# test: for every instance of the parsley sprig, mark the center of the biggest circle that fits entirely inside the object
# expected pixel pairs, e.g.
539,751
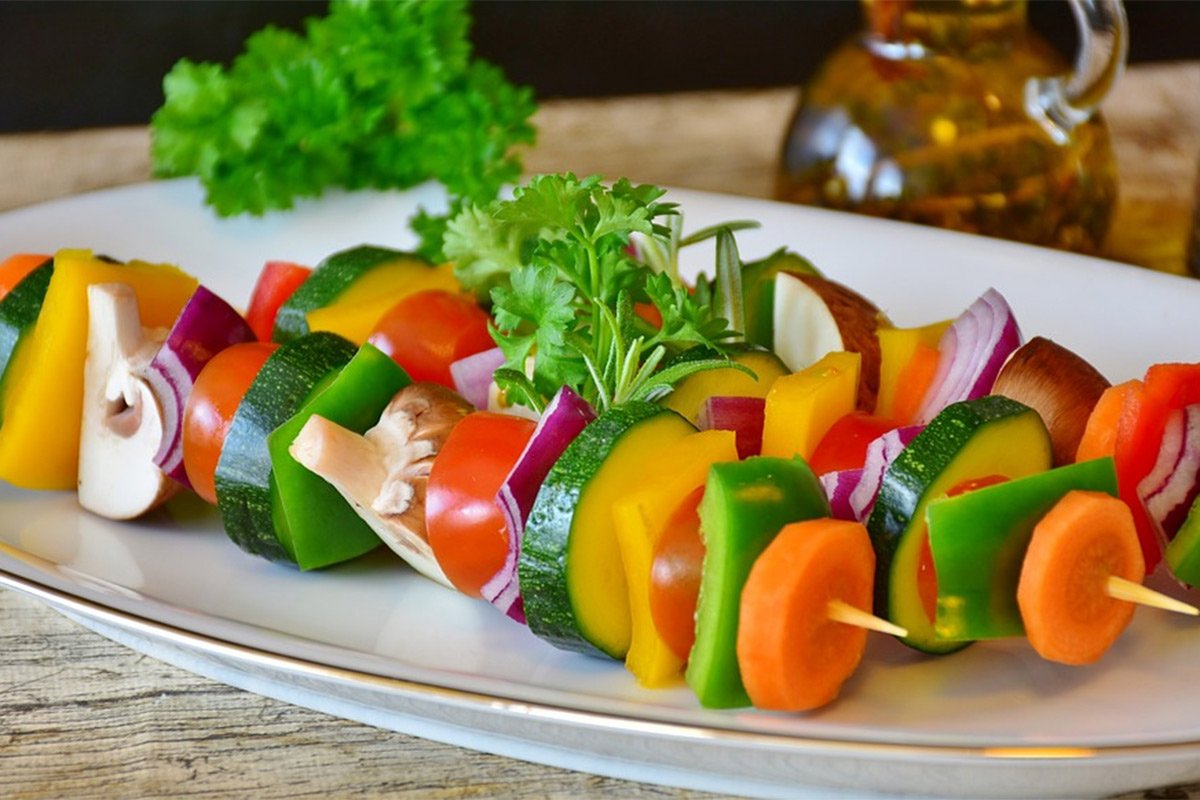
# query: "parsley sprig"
381,94
558,265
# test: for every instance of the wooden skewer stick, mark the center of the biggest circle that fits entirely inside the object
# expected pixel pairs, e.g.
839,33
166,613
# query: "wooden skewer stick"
1121,589
841,611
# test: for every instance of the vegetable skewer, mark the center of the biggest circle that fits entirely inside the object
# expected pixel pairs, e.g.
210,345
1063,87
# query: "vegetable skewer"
1119,588
794,651
843,612
1066,589
787,642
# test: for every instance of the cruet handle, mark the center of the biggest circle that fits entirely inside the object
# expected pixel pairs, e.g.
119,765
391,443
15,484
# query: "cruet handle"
1059,103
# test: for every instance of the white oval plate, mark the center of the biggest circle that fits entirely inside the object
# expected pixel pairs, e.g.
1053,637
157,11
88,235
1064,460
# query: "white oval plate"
372,641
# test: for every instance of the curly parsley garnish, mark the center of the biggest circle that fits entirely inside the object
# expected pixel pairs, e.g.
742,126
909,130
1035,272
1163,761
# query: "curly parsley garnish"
558,265
374,95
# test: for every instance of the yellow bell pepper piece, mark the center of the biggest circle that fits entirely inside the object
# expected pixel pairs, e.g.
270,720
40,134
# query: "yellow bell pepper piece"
640,518
357,310
802,406
43,401
896,348
689,395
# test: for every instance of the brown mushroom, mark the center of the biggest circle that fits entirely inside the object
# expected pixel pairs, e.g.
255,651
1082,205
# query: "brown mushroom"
384,472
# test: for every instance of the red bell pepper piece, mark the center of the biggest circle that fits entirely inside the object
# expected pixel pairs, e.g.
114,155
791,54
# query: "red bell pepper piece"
276,283
1165,388
844,446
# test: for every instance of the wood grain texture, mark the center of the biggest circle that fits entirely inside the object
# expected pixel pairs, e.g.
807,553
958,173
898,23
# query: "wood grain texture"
81,716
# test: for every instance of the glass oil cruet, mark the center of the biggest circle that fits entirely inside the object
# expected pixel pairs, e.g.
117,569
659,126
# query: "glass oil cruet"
955,113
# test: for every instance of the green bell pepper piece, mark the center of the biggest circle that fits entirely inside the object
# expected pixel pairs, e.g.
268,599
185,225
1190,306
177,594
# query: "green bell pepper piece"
1183,553
978,541
313,521
746,503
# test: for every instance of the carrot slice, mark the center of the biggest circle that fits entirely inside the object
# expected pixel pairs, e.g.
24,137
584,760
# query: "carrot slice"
1100,434
1068,614
792,656
15,268
915,378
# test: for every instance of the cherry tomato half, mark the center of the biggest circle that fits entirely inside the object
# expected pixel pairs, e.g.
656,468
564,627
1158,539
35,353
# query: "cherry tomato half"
927,582
844,446
675,576
428,331
210,407
277,282
463,521
14,269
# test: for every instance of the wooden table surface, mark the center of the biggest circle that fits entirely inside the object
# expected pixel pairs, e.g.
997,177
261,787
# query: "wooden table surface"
81,716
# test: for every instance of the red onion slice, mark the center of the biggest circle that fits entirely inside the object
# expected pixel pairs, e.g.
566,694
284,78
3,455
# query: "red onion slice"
852,492
473,375
973,349
1171,487
880,455
742,415
565,416
205,327
838,486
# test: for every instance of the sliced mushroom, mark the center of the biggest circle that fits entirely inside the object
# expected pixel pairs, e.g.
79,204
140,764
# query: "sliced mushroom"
122,423
383,473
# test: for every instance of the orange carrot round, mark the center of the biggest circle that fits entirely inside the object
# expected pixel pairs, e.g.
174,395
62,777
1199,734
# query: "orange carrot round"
1062,593
792,656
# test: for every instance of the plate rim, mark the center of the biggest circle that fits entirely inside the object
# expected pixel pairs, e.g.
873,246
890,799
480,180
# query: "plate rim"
799,743
63,601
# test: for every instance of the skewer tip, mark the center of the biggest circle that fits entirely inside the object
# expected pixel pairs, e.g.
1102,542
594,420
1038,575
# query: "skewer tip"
1119,588
841,611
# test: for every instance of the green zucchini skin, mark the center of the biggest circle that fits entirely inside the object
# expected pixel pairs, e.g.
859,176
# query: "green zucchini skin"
333,275
542,568
244,476
19,310
898,515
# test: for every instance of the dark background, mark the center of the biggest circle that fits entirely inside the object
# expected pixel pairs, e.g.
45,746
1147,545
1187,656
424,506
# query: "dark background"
77,64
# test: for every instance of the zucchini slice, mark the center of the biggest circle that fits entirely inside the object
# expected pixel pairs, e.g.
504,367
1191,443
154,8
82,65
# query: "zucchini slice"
570,569
966,441
351,275
19,310
244,477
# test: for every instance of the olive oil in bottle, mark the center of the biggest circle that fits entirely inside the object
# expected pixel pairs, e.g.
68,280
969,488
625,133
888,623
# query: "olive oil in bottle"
932,116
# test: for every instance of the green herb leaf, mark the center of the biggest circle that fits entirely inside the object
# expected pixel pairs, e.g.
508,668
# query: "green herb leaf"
728,297
535,314
557,264
376,94
701,235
